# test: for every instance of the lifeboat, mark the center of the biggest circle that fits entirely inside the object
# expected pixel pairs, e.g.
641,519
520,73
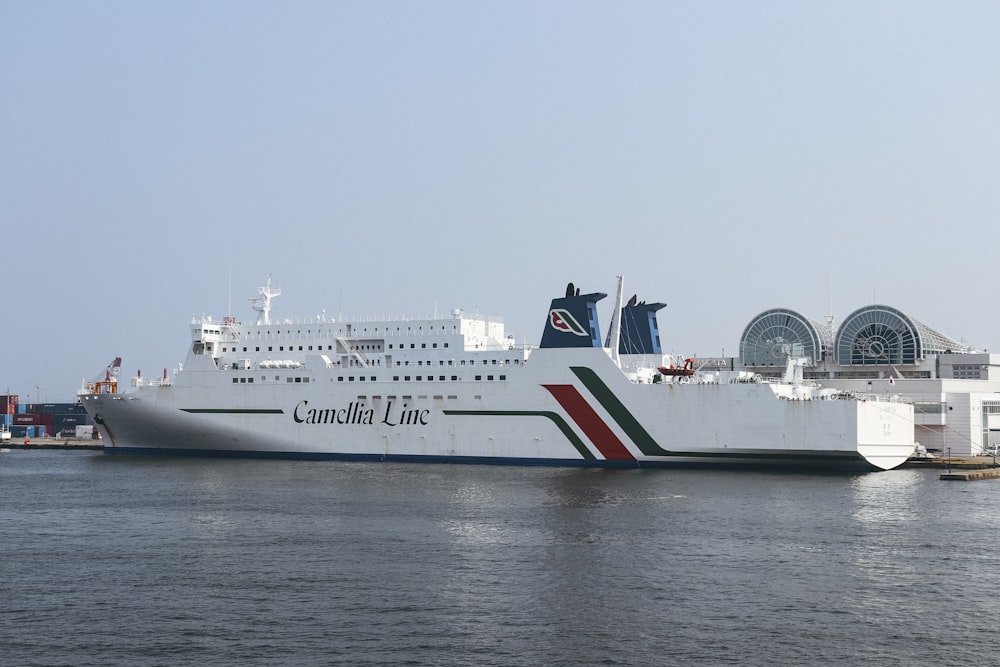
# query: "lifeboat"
686,370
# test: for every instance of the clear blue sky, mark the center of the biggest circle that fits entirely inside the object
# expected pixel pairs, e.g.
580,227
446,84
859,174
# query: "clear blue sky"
390,158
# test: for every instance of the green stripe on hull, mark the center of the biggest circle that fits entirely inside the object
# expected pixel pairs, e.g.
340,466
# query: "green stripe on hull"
556,419
625,419
220,411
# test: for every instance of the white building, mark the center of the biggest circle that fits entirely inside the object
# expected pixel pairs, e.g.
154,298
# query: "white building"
879,349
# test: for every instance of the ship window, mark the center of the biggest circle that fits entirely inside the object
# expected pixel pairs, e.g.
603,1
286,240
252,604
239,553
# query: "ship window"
441,377
281,349
303,379
423,345
298,379
479,377
300,348
489,377
249,380
434,345
419,378
395,378
340,378
235,380
310,347
263,378
412,346
257,349
350,378
446,344
503,377
244,349
277,378
406,378
454,377
243,380
270,349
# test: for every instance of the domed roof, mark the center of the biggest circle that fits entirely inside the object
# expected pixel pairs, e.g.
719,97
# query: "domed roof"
882,335
776,335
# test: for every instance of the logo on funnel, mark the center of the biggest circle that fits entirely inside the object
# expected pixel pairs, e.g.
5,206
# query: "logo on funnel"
562,320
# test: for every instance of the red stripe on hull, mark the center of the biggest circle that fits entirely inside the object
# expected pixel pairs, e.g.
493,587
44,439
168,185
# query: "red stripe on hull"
590,422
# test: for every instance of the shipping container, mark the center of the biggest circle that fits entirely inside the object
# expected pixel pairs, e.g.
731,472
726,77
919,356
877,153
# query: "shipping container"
58,420
8,404
18,432
6,420
63,424
61,409
86,431
26,420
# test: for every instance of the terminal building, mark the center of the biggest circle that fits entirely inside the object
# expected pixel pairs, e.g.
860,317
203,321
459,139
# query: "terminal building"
877,349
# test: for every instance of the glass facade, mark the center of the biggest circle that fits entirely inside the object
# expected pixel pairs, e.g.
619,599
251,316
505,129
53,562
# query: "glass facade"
878,336
776,335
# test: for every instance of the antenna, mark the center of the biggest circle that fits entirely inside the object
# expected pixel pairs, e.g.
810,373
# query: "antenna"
830,312
829,317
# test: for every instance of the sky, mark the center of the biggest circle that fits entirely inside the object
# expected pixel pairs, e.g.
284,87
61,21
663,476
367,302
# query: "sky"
158,160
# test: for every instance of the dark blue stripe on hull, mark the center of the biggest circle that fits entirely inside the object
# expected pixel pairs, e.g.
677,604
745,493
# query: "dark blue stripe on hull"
820,464
397,458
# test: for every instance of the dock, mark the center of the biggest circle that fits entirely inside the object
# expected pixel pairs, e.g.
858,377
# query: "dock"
971,475
966,469
51,443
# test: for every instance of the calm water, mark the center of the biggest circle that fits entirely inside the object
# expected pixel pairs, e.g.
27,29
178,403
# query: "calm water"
148,561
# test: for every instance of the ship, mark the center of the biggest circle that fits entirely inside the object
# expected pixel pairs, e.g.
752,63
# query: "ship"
457,388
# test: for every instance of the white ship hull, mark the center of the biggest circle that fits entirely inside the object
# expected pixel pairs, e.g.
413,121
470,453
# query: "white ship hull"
571,406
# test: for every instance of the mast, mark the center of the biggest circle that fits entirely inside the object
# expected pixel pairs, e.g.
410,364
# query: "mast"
262,302
615,330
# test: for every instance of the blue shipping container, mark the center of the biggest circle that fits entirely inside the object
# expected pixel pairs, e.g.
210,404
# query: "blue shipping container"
66,423
61,409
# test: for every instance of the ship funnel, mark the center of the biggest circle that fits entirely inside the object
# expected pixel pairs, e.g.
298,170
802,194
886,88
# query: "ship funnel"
639,332
572,320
